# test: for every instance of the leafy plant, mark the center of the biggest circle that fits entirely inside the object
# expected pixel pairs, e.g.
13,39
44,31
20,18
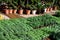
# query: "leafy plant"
41,21
33,7
22,28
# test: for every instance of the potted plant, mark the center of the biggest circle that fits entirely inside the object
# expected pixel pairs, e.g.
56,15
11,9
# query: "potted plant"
20,10
42,7
39,6
55,7
14,9
6,10
4,7
28,10
48,7
42,10
10,10
51,9
34,10
20,7
47,10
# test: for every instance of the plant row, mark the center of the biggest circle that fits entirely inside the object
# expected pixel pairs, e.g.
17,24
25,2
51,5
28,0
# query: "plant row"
21,5
21,28
24,5
18,33
41,21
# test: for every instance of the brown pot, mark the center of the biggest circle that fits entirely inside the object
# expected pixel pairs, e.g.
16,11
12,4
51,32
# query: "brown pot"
15,11
28,12
55,8
10,11
20,11
6,11
48,9
51,9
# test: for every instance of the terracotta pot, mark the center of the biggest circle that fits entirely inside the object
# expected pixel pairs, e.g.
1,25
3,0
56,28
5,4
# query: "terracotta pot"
28,12
15,11
34,12
51,9
6,11
20,11
10,11
47,10
55,8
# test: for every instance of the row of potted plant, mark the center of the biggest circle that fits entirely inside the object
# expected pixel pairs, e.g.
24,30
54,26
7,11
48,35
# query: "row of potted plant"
20,11
23,7
28,8
50,9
